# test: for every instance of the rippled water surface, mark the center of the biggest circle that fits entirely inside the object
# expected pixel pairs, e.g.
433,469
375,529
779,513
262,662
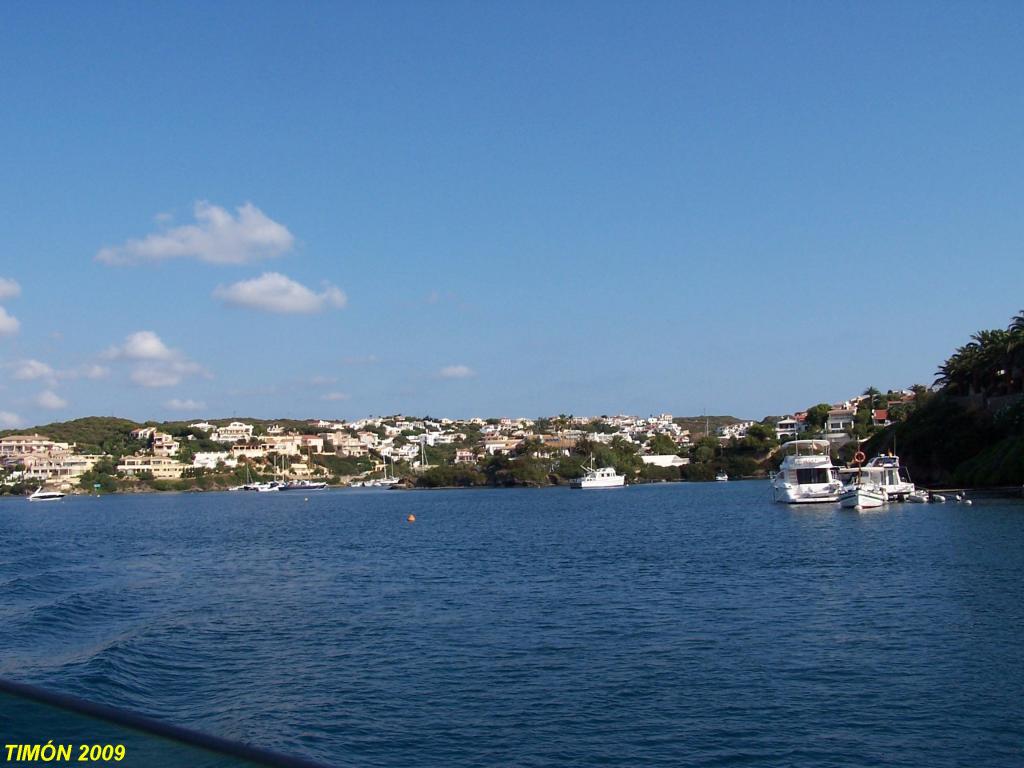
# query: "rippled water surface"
687,624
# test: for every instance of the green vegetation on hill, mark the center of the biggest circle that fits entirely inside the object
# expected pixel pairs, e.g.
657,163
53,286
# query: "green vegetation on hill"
970,432
696,424
93,434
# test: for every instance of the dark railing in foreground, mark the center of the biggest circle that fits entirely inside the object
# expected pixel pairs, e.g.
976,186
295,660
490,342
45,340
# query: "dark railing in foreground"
33,717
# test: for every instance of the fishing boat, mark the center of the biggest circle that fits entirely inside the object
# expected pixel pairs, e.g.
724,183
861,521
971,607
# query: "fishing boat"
863,493
598,477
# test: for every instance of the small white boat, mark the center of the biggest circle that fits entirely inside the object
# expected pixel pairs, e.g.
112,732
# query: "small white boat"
918,497
598,477
722,477
267,487
43,495
863,494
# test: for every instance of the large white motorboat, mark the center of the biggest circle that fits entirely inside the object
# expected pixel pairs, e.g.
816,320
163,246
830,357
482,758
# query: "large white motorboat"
807,475
598,477
43,495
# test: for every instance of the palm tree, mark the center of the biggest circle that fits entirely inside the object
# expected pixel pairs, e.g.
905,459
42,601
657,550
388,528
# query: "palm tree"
1015,353
873,393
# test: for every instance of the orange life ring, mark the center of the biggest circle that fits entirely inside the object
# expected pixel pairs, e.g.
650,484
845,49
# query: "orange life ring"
859,457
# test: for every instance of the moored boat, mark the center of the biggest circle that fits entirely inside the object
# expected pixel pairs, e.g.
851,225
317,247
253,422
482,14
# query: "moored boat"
807,475
303,485
598,477
863,494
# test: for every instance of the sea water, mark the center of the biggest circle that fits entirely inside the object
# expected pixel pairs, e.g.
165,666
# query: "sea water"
676,624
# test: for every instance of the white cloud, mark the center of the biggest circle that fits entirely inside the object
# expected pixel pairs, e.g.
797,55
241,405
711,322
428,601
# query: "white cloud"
51,400
217,237
31,370
9,324
10,420
157,365
318,381
91,371
273,292
9,288
184,405
141,345
456,372
168,373
36,370
335,396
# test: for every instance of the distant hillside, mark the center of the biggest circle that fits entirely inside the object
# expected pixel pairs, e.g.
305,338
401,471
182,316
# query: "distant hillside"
696,424
109,434
93,434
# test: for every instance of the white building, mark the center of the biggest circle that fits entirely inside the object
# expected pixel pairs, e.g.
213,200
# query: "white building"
233,432
839,421
464,456
737,430
162,467
789,427
67,466
16,446
210,460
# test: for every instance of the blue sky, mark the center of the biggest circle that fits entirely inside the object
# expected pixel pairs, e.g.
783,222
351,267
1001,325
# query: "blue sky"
327,209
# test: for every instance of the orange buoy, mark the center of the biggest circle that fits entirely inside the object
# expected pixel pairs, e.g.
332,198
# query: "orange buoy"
411,518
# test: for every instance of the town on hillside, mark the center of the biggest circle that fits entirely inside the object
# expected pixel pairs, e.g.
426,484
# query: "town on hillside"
100,455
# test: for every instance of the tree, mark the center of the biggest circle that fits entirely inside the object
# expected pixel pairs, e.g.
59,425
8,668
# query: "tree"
662,445
705,449
817,415
872,394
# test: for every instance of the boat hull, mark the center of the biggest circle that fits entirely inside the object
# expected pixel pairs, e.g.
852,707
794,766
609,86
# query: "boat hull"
802,494
600,482
862,498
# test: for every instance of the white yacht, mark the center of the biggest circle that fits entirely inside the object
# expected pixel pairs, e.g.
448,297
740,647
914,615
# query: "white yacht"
43,495
807,474
303,485
598,477
722,477
885,471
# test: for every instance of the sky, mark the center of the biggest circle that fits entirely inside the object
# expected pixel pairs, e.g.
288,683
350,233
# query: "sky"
333,210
